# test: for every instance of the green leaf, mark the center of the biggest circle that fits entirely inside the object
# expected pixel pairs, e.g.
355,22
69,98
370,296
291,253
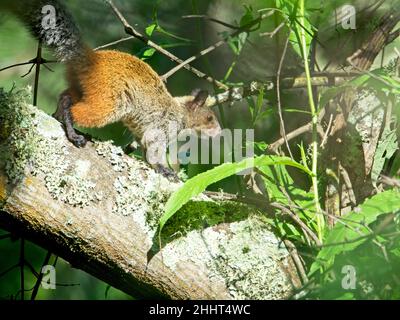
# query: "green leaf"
199,183
237,43
248,17
290,10
351,231
150,29
149,53
303,155
261,146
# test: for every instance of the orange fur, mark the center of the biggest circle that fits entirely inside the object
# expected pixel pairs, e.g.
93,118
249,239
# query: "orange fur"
102,82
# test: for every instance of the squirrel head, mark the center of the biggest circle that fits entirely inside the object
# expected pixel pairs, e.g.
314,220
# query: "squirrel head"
199,115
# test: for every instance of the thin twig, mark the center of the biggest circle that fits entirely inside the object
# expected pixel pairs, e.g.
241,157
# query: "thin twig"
37,74
201,16
17,65
114,43
245,28
192,58
133,32
297,260
29,71
278,93
32,61
40,276
274,32
348,184
390,181
295,133
328,129
296,219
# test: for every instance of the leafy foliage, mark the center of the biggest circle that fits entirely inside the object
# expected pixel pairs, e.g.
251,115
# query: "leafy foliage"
353,229
199,183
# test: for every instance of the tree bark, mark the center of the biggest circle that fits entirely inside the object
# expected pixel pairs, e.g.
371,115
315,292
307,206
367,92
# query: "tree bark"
98,209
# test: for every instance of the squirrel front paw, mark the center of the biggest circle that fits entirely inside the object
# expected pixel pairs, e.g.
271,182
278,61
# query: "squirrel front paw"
78,140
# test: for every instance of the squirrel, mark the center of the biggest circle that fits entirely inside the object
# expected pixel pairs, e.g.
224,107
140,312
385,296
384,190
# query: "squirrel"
111,86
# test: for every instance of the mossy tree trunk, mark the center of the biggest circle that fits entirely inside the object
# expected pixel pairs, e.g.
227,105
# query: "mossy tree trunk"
98,209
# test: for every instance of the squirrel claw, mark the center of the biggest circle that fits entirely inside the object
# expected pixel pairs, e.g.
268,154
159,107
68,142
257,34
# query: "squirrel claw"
78,140
168,173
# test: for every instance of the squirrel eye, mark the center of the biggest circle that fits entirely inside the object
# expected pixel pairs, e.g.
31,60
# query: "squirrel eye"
210,118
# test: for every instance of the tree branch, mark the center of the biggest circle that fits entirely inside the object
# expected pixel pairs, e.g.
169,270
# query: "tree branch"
99,209
133,32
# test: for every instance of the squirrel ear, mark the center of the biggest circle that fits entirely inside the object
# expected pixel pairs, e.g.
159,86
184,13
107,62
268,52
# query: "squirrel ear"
200,98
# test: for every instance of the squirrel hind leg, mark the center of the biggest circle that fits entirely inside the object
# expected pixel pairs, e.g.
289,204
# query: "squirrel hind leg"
63,114
59,114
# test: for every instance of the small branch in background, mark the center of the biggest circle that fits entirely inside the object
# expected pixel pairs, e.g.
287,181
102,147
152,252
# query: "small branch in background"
297,220
397,52
133,32
297,260
328,129
239,93
19,64
191,59
278,94
295,133
348,184
114,43
372,75
32,61
40,276
207,18
364,57
392,182
245,28
319,79
37,74
274,32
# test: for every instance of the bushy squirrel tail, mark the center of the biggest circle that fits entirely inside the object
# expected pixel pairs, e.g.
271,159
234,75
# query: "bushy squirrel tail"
51,23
